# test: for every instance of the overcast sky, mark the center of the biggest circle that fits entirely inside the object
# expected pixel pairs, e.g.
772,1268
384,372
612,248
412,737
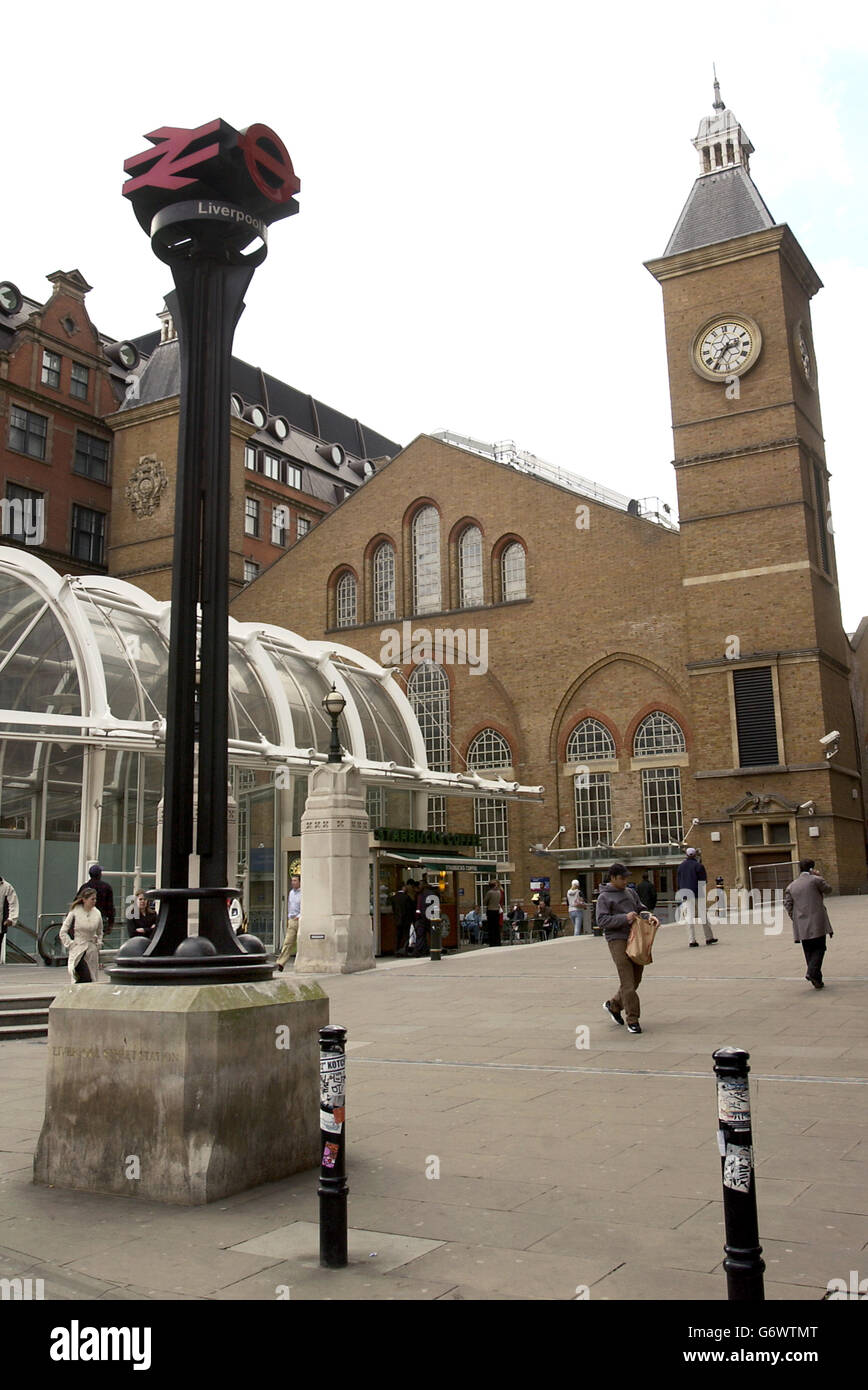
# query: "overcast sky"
481,183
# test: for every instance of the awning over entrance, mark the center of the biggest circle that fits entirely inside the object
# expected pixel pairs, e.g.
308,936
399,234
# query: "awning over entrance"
448,862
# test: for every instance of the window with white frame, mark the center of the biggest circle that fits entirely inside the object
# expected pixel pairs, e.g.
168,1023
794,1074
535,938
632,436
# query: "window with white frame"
251,516
428,693
374,805
590,741
271,465
426,561
489,749
384,582
658,734
491,823
51,369
513,569
346,600
251,570
302,526
470,567
279,524
293,476
250,457
661,801
593,806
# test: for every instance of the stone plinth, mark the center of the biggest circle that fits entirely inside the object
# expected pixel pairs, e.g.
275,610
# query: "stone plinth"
336,933
181,1093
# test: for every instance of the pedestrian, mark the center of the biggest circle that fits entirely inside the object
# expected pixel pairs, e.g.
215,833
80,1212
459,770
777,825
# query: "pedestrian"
517,917
293,918
595,898
617,909
427,910
691,872
492,903
576,907
404,909
105,898
803,900
141,917
647,893
8,912
81,934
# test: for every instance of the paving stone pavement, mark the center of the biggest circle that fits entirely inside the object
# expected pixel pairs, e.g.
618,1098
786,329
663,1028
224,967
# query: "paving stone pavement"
508,1142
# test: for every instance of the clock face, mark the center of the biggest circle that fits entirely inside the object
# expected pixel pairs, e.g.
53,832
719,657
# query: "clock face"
726,346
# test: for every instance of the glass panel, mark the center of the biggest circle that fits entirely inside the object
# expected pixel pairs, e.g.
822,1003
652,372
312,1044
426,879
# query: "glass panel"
386,739
305,688
250,712
384,583
134,658
346,601
37,670
489,750
428,692
594,812
514,573
661,794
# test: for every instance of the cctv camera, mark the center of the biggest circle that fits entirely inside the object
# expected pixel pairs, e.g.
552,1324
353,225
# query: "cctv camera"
830,738
562,829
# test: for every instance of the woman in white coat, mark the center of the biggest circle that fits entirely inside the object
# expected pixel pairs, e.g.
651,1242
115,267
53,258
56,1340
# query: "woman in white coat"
86,919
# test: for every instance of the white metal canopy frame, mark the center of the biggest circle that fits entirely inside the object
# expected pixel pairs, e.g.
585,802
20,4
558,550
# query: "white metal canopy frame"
83,662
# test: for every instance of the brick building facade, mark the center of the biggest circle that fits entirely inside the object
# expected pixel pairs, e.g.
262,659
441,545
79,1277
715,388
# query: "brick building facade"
684,677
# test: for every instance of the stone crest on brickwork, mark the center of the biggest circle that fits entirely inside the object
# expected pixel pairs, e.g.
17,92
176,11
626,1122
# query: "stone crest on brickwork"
146,486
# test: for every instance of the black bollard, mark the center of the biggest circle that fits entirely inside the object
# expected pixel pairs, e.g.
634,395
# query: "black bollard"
333,1138
743,1263
435,929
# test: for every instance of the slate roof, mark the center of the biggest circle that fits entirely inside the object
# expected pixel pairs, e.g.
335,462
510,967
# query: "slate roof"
161,378
721,205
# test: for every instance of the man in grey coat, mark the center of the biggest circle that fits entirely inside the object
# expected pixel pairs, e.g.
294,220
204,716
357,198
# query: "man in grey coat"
803,899
618,906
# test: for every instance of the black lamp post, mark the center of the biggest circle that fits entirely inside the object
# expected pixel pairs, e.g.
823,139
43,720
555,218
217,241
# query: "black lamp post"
334,705
206,198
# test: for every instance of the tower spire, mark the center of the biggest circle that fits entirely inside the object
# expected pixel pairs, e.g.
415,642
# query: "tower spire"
718,104
721,142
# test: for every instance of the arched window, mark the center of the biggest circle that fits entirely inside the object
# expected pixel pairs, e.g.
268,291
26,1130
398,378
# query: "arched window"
426,561
346,600
470,567
658,733
489,749
428,693
384,583
513,572
590,741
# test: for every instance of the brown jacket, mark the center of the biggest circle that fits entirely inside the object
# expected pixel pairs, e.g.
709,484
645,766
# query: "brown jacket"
803,899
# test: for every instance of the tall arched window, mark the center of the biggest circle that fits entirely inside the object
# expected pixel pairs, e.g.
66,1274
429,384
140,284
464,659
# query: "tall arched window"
489,749
659,734
591,742
426,561
428,693
513,572
346,600
470,567
384,583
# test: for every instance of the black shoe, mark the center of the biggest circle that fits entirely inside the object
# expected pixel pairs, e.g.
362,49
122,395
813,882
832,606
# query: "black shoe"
818,984
614,1014
693,943
633,1028
712,941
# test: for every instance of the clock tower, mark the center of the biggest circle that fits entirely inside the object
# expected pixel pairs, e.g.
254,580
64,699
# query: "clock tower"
766,655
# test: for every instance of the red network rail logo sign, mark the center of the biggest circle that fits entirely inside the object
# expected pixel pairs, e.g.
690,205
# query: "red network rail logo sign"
251,167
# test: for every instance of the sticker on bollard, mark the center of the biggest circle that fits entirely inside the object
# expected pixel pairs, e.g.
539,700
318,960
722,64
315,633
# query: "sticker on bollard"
733,1100
332,1188
737,1168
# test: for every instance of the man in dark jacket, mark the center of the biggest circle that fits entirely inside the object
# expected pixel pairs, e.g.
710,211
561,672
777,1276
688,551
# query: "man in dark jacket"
105,898
647,893
691,873
404,909
618,906
803,900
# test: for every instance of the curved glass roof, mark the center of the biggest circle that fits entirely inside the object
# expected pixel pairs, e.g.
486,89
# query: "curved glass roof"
84,659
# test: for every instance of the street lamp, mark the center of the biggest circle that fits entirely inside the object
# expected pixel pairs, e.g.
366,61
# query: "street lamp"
334,705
